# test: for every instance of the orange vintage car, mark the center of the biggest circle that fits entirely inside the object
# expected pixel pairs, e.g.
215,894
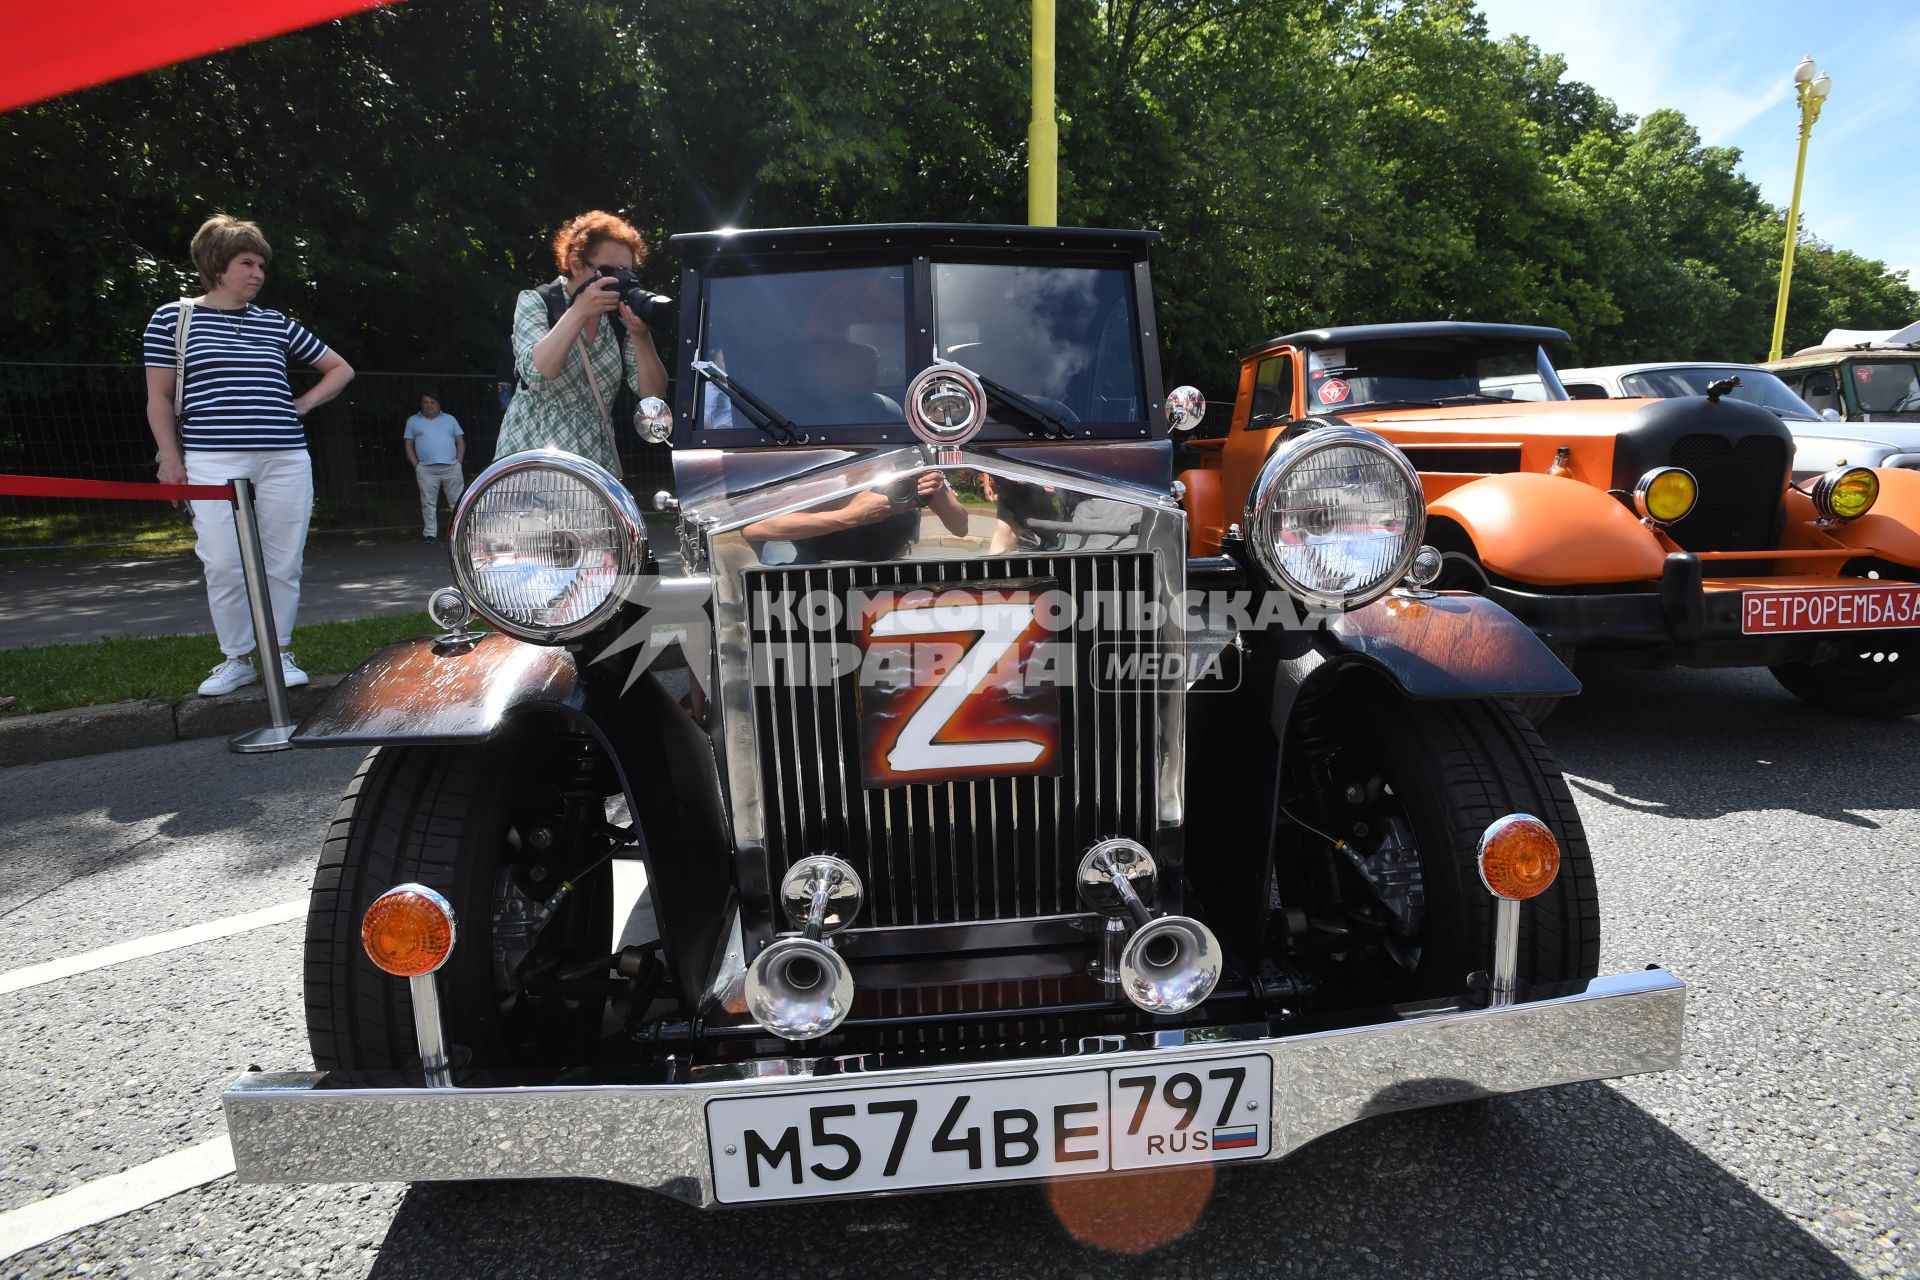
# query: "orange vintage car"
1643,532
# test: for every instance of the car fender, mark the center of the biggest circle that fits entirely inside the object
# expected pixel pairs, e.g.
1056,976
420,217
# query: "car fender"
1449,645
1891,530
427,691
1550,530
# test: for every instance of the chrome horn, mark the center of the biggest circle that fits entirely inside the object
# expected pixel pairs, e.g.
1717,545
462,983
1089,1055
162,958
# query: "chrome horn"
799,988
1166,964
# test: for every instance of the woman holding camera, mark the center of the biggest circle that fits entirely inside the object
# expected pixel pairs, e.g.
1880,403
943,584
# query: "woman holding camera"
235,415
572,362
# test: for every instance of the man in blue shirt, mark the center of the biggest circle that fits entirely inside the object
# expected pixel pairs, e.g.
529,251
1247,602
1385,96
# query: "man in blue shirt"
436,447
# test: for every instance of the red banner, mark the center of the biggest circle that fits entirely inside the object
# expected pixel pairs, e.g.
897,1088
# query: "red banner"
52,49
65,487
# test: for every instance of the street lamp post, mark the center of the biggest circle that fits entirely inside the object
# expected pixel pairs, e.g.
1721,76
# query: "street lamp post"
1811,87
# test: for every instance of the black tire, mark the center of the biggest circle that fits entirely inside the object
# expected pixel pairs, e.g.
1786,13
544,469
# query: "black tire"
1881,680
439,816
1452,768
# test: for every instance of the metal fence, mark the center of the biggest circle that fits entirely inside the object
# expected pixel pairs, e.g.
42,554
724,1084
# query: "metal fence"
89,421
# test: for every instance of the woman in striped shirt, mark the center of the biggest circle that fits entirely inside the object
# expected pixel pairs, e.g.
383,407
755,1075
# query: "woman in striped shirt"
239,418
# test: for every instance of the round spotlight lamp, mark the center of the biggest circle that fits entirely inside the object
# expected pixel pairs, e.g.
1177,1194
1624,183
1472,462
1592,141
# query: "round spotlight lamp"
1335,516
1519,858
1665,494
543,542
946,405
408,931
1845,493
1424,571
449,609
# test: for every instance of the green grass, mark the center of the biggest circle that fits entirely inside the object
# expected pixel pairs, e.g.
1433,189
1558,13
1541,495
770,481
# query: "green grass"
78,533
169,668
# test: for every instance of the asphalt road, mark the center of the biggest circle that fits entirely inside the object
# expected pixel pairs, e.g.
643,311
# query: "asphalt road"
1764,852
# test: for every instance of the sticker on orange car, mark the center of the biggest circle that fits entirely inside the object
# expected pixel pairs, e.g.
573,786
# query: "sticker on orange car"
1333,391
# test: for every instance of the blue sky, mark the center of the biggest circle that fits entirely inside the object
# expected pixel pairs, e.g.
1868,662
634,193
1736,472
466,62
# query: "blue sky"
1728,64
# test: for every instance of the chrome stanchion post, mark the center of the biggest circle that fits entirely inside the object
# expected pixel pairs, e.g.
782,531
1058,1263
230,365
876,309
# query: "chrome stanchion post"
277,735
428,1032
1505,981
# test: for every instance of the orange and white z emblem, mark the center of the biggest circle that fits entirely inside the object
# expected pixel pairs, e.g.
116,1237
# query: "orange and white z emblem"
957,684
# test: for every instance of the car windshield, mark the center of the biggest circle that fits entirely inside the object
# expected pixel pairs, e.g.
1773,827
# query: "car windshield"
1063,337
1757,386
1419,372
830,347
823,348
1885,386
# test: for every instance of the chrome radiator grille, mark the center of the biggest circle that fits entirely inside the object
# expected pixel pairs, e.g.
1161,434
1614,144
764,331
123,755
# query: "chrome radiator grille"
958,851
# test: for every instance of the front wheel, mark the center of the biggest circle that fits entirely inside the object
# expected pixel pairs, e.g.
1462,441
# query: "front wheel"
1408,788
1879,677
495,828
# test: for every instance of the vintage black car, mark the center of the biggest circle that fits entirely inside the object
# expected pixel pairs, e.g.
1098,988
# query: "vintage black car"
989,834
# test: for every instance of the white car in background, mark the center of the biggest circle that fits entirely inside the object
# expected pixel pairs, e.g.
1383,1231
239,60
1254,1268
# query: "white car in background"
1819,444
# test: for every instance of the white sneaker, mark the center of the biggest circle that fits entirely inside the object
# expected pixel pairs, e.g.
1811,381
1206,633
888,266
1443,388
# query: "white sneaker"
232,674
290,675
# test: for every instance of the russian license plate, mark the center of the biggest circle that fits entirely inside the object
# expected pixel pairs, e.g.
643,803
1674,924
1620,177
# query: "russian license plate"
784,1146
1861,607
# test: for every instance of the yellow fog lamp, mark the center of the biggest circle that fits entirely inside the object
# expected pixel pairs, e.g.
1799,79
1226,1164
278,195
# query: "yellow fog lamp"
1666,494
1845,493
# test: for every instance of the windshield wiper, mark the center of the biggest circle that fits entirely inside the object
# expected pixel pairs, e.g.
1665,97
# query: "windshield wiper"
1056,426
751,406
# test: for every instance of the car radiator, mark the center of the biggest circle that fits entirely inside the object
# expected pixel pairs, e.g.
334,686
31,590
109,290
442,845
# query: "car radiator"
1740,487
955,852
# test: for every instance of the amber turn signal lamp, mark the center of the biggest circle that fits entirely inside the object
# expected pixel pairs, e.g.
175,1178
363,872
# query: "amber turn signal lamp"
1666,494
1519,857
1845,493
408,931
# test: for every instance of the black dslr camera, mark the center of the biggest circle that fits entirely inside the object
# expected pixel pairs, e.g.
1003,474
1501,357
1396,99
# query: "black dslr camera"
655,308
906,490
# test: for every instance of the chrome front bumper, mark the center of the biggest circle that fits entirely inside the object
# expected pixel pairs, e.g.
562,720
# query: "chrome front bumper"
304,1127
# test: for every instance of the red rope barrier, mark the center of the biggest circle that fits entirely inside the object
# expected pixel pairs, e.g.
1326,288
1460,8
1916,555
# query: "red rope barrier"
62,487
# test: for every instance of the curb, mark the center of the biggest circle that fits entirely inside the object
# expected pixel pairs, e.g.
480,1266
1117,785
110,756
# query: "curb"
120,726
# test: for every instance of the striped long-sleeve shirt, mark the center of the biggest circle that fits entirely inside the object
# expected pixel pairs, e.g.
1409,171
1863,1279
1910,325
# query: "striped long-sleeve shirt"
237,394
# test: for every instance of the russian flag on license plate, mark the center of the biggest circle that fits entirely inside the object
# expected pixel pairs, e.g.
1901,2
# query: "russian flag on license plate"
1228,1139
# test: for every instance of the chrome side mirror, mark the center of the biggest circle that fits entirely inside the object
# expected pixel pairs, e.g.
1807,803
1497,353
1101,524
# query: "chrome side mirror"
653,420
1831,415
1185,408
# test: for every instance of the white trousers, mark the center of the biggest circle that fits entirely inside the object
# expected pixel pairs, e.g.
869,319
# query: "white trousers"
436,478
283,504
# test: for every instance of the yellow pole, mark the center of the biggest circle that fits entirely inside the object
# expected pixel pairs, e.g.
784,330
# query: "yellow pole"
1043,134
1811,94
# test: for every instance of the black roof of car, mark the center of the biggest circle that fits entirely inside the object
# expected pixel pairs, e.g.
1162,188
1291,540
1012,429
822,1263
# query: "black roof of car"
928,236
1461,332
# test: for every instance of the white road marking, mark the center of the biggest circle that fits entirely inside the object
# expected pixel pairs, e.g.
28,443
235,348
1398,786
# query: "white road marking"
35,974
95,1202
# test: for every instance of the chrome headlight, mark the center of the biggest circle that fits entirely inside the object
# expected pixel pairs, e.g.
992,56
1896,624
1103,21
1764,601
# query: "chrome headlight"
1335,516
542,542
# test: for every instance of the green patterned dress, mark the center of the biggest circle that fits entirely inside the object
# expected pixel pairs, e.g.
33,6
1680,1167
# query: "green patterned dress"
560,412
